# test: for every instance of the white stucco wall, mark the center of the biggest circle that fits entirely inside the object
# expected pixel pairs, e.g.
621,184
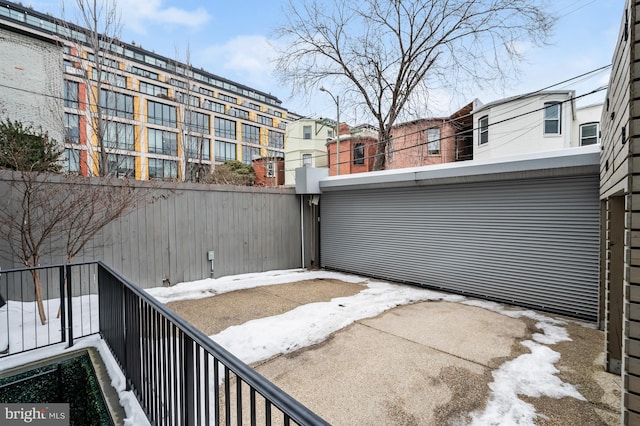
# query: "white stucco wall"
296,146
31,76
516,126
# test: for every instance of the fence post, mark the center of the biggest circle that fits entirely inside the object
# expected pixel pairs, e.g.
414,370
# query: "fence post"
63,310
69,302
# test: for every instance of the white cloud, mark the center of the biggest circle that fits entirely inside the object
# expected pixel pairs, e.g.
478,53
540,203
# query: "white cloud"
247,57
137,15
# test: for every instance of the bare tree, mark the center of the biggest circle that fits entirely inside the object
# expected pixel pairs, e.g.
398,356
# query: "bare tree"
43,213
383,53
97,33
190,122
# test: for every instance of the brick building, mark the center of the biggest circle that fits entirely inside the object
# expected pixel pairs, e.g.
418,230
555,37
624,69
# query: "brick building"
269,171
357,150
429,141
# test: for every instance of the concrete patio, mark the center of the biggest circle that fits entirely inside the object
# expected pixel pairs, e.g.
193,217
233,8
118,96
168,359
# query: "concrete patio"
434,362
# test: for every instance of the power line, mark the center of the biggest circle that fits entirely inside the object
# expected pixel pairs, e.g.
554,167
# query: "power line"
572,99
599,69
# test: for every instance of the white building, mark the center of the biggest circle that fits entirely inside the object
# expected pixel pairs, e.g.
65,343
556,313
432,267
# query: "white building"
536,122
306,145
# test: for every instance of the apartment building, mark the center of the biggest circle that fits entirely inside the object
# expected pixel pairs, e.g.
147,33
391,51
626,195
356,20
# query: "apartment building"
149,116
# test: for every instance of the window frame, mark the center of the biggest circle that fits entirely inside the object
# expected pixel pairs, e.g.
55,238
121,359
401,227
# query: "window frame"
165,165
596,136
431,141
168,142
483,130
358,153
224,128
226,148
305,134
558,119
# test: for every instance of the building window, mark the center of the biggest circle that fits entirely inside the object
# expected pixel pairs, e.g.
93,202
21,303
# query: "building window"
116,104
213,106
121,165
144,73
162,169
250,134
249,153
306,160
197,122
72,161
552,120
186,99
276,139
240,113
109,78
197,147
178,83
70,94
227,98
118,135
152,89
105,62
205,91
161,142
71,128
225,128
267,121
330,134
164,115
271,170
483,130
306,132
588,134
358,153
225,151
433,141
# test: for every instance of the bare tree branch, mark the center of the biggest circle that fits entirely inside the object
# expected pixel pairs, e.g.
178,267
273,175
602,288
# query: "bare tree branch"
384,53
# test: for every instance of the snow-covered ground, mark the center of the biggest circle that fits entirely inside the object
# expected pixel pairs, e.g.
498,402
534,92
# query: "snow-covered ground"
25,331
533,374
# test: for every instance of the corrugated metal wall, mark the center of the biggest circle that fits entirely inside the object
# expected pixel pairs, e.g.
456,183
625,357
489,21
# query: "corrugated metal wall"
528,242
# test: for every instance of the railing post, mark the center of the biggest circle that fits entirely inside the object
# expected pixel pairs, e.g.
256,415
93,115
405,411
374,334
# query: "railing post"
69,302
188,371
63,310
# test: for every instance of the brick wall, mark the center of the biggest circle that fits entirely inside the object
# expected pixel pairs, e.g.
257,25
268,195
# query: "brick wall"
31,76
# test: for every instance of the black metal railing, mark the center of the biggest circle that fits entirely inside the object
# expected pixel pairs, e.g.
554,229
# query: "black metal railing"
179,375
47,305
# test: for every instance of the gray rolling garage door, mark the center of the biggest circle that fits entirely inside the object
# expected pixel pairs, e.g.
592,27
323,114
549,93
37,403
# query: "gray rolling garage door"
528,242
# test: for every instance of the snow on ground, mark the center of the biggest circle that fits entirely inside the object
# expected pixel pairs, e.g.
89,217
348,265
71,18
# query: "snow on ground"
312,323
532,374
25,331
213,286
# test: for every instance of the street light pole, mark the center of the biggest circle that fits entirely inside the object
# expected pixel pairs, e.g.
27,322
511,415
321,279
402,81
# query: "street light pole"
336,99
